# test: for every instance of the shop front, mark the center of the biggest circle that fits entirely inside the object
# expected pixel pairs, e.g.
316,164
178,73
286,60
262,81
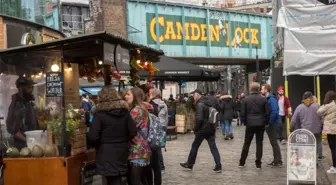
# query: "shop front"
39,85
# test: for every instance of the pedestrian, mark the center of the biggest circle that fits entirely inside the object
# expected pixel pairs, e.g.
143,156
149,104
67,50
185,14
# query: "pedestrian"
285,111
85,103
226,115
213,100
306,117
238,109
242,97
139,150
110,132
255,113
328,112
157,164
273,125
203,130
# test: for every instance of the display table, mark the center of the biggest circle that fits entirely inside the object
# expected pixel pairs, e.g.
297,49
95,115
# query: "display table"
46,170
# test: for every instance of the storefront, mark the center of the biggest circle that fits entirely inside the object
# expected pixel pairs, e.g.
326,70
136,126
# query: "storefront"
17,32
58,155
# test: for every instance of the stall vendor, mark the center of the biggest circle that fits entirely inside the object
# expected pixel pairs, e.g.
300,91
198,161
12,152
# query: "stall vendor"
21,112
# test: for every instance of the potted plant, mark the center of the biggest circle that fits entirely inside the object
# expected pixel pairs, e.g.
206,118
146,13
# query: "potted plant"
55,127
42,113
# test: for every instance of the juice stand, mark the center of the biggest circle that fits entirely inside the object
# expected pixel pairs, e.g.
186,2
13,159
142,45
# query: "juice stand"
57,152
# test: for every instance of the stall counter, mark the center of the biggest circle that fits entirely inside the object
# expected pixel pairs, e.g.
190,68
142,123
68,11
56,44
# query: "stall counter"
46,170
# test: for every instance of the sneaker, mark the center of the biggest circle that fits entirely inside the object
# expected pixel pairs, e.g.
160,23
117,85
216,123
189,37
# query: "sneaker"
320,158
217,169
275,164
241,165
258,166
186,166
332,170
231,136
283,142
227,138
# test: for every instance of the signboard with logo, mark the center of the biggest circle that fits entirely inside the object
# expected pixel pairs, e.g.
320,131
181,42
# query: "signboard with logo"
182,30
301,157
122,57
222,33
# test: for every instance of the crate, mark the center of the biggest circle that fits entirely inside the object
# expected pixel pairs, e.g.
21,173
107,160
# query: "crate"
181,130
77,142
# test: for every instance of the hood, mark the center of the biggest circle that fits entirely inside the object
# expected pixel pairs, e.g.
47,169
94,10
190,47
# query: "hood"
307,102
271,96
205,100
110,106
226,97
159,102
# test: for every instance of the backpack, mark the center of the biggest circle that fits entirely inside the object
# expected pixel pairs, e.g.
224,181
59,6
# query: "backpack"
156,135
213,115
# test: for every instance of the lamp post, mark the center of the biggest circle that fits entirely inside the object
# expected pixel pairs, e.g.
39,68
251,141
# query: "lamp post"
257,65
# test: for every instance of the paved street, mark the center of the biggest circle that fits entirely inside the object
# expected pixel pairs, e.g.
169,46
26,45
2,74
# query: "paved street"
202,174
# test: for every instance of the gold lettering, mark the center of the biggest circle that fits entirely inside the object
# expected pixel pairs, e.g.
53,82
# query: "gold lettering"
179,30
170,33
239,32
186,25
254,38
204,32
195,31
227,34
153,26
214,33
246,37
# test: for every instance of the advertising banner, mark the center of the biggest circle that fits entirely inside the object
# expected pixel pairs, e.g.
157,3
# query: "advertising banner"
301,157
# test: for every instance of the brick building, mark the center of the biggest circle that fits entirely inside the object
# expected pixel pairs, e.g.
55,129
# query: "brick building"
108,15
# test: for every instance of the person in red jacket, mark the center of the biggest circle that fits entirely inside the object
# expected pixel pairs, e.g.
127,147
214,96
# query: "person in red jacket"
285,110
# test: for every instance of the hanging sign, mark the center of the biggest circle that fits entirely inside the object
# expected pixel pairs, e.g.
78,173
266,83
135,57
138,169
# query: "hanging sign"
301,157
54,85
108,53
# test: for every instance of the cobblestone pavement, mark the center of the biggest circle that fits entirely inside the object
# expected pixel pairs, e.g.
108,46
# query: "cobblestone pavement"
202,174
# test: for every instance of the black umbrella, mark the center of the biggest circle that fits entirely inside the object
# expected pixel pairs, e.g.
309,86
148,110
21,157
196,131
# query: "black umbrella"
175,70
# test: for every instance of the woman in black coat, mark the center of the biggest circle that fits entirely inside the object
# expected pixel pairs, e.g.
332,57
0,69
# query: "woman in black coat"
110,133
226,115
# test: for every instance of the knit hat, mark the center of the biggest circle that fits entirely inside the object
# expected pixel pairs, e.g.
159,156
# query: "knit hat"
307,95
280,88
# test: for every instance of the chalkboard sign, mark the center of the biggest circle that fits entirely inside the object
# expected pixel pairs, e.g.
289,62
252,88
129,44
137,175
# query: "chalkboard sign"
88,171
54,85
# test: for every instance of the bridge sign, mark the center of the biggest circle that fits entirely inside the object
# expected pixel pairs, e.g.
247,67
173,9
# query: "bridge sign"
301,157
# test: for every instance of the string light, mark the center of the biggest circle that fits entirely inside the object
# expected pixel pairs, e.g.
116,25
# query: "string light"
54,68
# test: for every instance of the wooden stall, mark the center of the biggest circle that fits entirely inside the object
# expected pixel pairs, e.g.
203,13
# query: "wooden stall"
76,57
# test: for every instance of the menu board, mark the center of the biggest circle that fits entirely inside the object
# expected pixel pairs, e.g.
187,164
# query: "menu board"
54,84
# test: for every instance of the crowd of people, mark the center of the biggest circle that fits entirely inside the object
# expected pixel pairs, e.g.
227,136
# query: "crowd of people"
120,129
121,124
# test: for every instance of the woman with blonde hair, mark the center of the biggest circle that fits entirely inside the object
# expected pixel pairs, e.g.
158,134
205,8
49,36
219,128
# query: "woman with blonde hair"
140,151
110,132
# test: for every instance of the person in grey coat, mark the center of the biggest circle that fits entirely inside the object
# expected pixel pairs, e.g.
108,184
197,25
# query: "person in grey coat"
306,117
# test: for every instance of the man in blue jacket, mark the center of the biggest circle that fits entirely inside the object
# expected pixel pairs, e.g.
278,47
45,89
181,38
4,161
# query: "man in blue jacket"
273,126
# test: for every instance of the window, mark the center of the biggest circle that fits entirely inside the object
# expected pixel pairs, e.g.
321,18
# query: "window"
73,18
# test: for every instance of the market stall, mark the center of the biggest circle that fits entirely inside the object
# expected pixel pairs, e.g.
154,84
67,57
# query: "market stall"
44,137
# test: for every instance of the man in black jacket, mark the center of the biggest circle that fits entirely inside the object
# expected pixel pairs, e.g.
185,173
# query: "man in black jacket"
203,130
255,113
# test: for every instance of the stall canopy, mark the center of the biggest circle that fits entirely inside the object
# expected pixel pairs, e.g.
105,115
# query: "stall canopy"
79,48
175,70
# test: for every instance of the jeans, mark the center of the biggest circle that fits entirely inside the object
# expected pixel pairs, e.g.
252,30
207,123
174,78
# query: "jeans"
272,132
332,146
213,148
226,126
318,138
249,133
283,128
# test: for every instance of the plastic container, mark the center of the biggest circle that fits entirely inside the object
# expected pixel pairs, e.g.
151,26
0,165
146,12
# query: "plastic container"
36,137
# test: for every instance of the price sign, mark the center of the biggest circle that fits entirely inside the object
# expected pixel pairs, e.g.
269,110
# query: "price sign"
301,157
54,85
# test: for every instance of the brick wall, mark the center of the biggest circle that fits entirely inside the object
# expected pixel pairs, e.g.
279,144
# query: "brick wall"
2,36
109,15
